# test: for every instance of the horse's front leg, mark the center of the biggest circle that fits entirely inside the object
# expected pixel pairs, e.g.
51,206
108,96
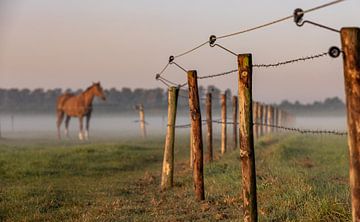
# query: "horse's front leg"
81,133
67,120
60,116
88,116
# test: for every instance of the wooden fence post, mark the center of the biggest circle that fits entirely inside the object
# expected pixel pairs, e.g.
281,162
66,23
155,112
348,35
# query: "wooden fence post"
191,157
142,120
268,119
350,39
191,149
209,136
280,118
255,117
260,119
276,116
247,152
196,128
167,176
271,118
265,111
235,120
223,124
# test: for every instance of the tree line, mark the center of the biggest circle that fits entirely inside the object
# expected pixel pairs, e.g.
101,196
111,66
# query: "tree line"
124,100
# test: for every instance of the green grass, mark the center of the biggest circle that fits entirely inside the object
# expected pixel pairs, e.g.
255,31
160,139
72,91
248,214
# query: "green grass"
304,179
299,178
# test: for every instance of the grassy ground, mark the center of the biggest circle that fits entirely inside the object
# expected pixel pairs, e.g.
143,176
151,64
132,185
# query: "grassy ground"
300,178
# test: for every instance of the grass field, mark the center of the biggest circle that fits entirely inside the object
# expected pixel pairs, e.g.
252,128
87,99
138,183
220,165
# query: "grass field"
299,178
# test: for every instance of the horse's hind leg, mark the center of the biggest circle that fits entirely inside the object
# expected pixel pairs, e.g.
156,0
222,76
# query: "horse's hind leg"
67,120
81,133
88,116
60,117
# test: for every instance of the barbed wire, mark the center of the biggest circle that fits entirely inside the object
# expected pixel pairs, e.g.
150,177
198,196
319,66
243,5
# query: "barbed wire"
171,58
182,126
330,52
222,122
304,131
291,61
204,98
292,129
141,121
219,74
203,123
158,77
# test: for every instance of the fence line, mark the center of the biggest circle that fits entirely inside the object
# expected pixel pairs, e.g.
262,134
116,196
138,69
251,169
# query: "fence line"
279,20
293,129
290,61
332,52
304,131
171,59
275,118
257,27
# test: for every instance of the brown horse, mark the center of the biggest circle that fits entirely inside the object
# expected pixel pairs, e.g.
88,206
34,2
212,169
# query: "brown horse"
77,106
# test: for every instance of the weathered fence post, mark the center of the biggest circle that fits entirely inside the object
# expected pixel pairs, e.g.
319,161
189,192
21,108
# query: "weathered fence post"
142,120
260,119
223,124
235,120
209,136
350,39
196,128
264,119
167,176
255,117
247,152
191,161
268,118
280,118
276,115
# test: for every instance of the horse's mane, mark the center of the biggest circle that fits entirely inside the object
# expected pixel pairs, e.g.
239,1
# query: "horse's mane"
88,88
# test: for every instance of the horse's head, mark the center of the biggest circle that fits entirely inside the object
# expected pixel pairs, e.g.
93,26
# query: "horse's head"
98,90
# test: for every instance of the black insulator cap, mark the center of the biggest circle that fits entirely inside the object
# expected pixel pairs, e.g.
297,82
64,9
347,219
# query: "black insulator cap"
298,15
334,52
171,59
212,40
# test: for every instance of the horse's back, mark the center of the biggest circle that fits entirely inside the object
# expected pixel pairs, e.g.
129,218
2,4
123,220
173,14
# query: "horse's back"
72,105
62,99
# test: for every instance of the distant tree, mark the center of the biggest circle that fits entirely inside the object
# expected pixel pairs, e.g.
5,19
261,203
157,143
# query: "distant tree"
127,97
154,97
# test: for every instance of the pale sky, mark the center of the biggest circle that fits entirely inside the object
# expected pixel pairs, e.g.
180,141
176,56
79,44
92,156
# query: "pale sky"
124,43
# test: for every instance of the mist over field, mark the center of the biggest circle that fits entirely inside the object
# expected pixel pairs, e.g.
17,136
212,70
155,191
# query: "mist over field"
122,125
